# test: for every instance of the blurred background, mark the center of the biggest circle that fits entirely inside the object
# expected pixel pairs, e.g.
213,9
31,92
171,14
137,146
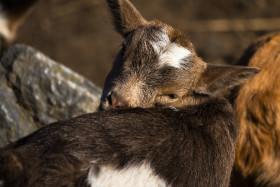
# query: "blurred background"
79,33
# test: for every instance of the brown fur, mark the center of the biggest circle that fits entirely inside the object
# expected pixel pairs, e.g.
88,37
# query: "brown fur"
179,38
16,12
257,108
191,145
138,79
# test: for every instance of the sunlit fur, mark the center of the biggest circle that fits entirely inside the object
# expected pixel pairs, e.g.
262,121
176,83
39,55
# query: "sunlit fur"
257,107
4,24
12,14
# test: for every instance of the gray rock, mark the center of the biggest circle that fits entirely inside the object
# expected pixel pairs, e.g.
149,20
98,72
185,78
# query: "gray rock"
36,91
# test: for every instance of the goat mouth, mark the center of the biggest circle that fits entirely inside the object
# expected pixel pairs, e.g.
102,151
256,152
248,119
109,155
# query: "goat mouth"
106,105
105,102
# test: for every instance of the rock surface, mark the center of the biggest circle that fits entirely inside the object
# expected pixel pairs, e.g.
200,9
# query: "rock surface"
36,91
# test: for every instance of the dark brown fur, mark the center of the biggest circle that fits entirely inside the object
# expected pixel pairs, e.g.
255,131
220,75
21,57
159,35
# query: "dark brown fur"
191,147
257,107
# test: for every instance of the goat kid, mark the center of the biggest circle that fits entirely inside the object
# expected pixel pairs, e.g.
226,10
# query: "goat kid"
158,66
12,14
257,106
188,142
128,147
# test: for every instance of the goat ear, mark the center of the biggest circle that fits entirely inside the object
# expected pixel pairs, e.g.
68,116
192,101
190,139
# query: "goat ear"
126,17
217,78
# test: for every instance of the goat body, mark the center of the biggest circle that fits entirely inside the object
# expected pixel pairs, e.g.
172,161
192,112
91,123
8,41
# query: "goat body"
184,135
257,106
194,146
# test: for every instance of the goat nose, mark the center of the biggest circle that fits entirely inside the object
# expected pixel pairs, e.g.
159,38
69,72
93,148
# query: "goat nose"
115,101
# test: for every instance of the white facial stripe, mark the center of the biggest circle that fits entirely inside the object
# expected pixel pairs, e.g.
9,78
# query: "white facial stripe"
4,29
137,176
174,55
170,54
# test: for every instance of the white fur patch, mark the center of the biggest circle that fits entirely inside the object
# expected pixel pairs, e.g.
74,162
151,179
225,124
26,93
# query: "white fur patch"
136,176
4,28
170,54
174,55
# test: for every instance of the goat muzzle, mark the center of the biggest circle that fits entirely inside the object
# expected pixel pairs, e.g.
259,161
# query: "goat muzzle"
116,101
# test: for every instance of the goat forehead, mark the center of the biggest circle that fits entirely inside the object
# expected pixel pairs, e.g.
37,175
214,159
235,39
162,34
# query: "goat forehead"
155,46
169,53
154,57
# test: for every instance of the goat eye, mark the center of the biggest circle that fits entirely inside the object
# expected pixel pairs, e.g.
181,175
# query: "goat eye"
164,99
169,96
172,96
